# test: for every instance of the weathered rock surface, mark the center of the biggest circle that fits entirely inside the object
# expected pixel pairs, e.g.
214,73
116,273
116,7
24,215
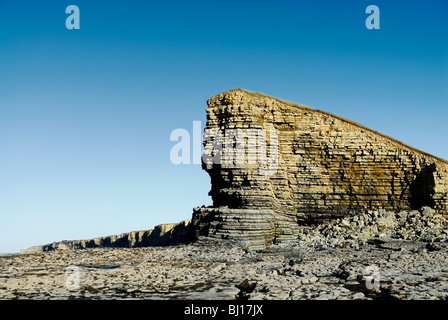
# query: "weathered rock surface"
224,269
161,235
405,226
327,167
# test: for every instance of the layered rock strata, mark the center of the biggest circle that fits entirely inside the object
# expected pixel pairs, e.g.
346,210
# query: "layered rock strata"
276,165
162,235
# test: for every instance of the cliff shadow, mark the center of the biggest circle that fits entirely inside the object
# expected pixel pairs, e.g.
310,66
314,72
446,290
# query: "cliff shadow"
422,188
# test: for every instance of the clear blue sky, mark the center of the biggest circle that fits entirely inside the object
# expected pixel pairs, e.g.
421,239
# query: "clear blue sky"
86,115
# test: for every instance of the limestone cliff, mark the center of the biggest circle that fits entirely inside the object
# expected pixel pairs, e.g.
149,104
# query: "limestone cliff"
161,235
314,166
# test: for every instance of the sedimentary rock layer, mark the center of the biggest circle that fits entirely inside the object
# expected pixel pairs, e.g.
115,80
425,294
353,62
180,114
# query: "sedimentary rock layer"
326,167
161,235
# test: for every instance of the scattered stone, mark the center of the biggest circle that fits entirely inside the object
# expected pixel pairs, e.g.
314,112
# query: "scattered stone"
358,296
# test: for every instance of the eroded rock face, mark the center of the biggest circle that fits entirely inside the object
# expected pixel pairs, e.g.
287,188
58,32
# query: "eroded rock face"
275,165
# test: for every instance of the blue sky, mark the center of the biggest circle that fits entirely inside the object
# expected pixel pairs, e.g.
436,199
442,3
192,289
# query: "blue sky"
86,115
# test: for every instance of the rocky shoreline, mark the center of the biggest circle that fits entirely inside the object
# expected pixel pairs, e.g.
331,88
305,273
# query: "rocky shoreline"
214,269
382,255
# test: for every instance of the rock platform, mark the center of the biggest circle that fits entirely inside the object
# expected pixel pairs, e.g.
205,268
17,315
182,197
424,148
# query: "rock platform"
217,269
380,255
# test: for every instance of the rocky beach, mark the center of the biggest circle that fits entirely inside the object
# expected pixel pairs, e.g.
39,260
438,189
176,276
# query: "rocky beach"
407,260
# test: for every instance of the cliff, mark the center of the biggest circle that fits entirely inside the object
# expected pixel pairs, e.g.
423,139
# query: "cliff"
275,165
161,235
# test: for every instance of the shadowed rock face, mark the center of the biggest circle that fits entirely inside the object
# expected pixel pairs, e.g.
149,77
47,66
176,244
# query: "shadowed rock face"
326,167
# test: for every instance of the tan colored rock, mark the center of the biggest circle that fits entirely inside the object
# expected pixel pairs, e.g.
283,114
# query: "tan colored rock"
326,167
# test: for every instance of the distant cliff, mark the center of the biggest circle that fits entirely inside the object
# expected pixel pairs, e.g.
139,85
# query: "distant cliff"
161,235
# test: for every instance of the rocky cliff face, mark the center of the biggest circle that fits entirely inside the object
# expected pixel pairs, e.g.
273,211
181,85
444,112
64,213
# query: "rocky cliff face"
161,235
276,165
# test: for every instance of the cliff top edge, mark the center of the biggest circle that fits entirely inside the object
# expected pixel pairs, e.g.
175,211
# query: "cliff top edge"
253,94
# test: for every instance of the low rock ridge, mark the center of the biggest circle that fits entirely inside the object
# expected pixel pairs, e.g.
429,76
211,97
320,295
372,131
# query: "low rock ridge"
162,235
423,225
